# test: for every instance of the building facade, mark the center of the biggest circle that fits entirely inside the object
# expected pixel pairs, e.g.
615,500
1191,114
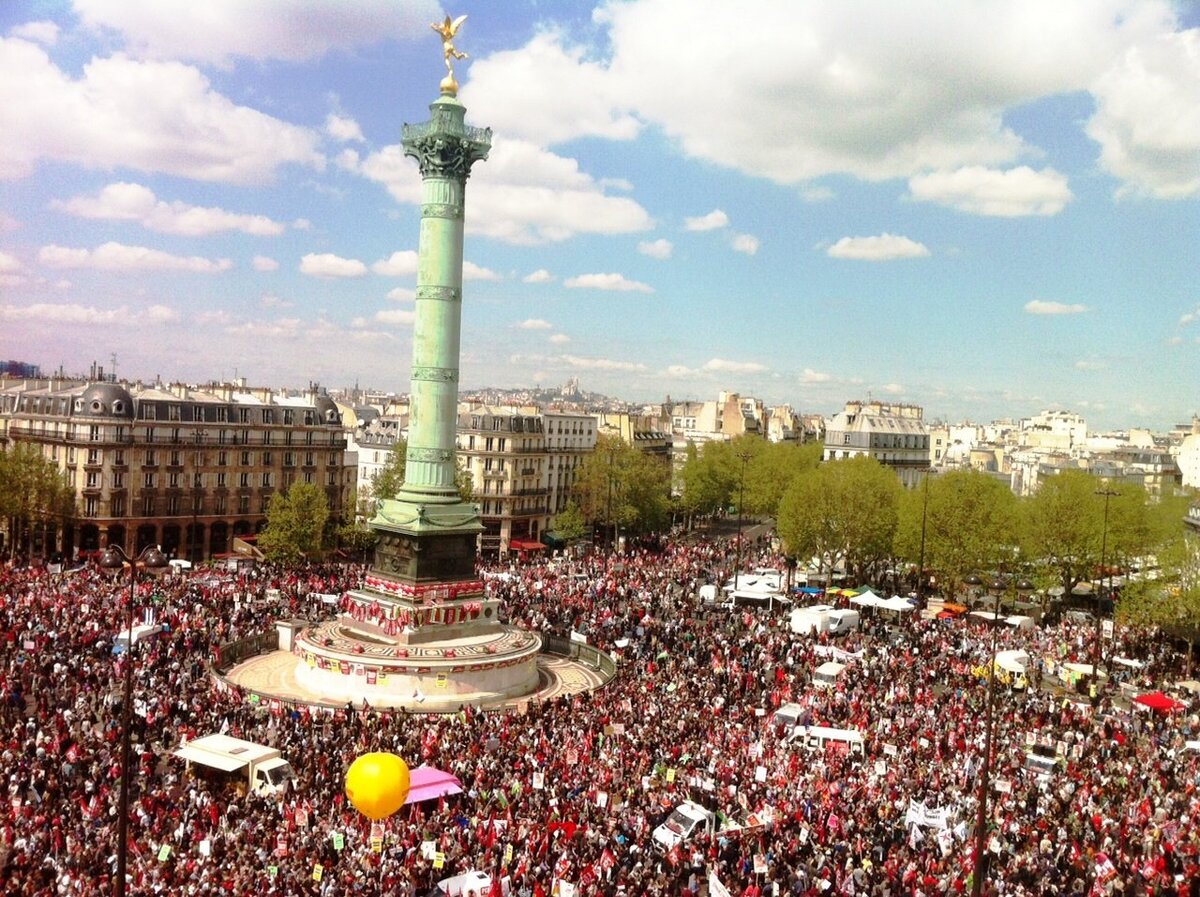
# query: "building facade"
570,439
185,468
892,434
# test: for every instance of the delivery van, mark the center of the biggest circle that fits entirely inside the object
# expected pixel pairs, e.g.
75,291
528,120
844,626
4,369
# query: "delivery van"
127,637
811,620
842,621
828,674
827,738
256,767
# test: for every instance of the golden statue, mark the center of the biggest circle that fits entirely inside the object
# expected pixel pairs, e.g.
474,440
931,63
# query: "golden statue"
448,29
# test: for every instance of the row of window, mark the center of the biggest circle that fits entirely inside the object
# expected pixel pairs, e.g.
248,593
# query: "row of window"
195,413
98,433
180,505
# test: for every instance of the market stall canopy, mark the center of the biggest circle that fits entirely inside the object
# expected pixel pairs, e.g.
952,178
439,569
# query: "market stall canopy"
1012,661
428,782
868,599
897,603
1156,700
1083,669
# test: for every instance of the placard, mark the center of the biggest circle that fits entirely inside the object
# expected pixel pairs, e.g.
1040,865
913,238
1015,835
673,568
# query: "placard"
539,780
439,860
164,853
1003,786
442,680
760,864
671,775
760,773
890,750
318,872
429,849
339,842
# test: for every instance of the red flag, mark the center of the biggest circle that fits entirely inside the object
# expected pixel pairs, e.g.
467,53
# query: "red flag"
538,890
495,890
490,838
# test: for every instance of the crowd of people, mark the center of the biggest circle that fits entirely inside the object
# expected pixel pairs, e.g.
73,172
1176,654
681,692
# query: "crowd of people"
565,795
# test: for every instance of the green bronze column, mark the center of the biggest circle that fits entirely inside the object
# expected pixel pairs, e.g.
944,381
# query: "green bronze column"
427,533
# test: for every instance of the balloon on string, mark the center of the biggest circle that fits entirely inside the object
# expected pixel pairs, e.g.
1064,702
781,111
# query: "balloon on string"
377,784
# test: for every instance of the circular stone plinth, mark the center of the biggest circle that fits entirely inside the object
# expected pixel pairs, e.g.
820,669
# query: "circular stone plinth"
341,661
274,675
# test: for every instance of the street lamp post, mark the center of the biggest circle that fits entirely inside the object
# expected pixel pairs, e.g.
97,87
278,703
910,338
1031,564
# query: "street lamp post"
1097,651
744,457
115,558
921,554
997,587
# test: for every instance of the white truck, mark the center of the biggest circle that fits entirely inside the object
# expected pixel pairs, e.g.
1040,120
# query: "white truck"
257,767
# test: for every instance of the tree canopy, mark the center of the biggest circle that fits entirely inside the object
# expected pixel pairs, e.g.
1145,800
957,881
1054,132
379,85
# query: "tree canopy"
715,474
389,479
843,510
623,487
295,523
32,491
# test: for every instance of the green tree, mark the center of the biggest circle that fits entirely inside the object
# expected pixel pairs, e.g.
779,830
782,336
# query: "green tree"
842,511
1064,526
1171,603
772,468
569,523
619,486
705,487
295,523
971,526
33,493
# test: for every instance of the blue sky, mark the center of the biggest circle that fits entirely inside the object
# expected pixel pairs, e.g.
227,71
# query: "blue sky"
985,208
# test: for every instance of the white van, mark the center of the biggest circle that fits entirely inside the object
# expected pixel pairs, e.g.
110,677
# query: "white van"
787,716
842,620
128,637
824,738
828,674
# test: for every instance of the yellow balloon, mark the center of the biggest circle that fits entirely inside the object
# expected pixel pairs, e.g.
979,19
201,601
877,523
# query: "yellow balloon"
377,784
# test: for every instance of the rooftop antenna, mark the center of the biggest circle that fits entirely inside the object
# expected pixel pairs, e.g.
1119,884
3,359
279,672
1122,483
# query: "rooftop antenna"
113,364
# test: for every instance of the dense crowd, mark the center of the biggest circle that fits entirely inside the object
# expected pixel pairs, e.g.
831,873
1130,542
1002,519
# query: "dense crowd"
571,789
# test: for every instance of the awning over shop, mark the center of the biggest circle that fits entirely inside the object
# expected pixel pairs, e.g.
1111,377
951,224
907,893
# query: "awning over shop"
525,545
428,782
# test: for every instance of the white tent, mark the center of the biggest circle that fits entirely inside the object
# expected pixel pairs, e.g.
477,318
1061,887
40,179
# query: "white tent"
896,603
868,599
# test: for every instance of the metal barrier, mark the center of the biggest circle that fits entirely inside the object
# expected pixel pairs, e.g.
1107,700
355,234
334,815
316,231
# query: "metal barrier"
232,653
580,653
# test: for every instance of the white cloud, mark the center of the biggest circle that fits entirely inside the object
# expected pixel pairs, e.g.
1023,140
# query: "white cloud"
270,300
39,32
1189,317
603,364
817,194
398,264
559,339
746,243
656,249
522,194
882,248
133,202
1147,118
159,314
712,221
148,116
613,282
399,316
535,93
541,275
827,85
302,224
119,257
1089,365
1174,341
535,324
67,313
327,265
220,30
892,389
724,366
471,271
681,371
1043,307
810,376
987,191
264,263
343,128
12,270
402,294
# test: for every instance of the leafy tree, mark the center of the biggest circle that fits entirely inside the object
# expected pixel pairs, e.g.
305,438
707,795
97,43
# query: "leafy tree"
356,537
844,510
771,470
1173,602
621,486
33,492
295,523
569,523
971,526
705,486
1064,526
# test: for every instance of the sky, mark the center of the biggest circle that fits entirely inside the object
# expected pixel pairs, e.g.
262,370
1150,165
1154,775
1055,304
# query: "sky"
986,208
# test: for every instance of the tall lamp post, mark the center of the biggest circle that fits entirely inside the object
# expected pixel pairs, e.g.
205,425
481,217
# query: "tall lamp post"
1097,648
921,556
115,558
744,457
997,588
